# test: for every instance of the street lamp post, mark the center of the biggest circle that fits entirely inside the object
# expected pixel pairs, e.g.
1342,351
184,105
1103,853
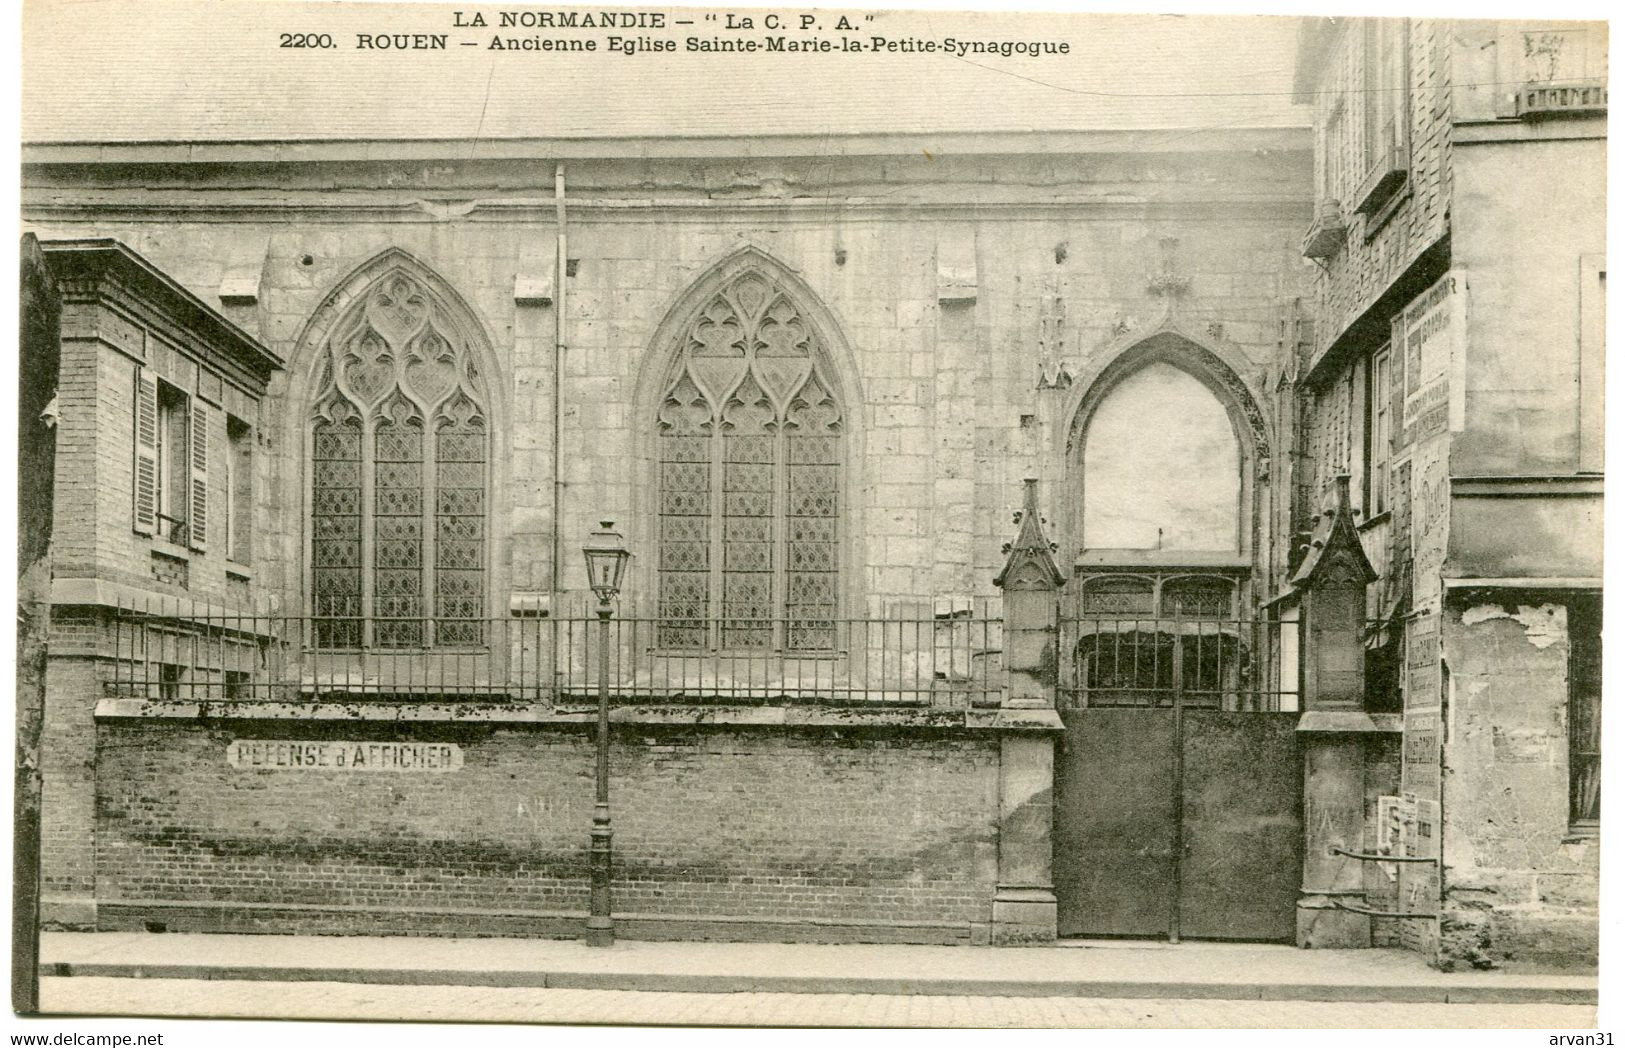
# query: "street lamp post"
606,556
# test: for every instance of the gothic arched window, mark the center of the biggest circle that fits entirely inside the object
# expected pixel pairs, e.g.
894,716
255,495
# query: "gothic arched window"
399,483
750,452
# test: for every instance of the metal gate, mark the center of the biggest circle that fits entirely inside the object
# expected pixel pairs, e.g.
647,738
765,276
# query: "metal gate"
1178,784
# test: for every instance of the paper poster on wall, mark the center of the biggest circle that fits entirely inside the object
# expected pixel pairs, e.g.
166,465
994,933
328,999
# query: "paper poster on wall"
1419,770
1422,663
1430,520
1429,338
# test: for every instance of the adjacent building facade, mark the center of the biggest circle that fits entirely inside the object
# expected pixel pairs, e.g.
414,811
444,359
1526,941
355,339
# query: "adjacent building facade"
1456,375
334,418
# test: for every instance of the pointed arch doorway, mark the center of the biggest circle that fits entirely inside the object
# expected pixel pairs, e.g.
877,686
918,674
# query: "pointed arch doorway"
1178,781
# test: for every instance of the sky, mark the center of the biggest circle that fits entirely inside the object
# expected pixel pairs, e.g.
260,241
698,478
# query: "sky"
178,70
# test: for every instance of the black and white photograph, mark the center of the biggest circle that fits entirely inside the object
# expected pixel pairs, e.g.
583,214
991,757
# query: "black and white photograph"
665,517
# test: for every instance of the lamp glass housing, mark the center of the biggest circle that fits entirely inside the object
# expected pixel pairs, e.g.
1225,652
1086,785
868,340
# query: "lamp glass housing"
606,555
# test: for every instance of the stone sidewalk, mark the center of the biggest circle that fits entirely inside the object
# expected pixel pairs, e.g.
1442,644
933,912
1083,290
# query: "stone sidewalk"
1118,970
308,1001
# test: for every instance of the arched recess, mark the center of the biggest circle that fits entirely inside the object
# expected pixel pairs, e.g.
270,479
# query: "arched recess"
748,417
1217,369
397,404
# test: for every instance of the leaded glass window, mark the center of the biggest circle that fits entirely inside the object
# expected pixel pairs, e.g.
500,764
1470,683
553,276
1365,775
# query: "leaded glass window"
1198,597
750,456
399,477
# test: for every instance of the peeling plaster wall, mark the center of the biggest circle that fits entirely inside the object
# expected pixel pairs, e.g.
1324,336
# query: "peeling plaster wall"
1519,887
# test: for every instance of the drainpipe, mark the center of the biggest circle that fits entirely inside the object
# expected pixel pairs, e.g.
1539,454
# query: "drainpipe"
560,283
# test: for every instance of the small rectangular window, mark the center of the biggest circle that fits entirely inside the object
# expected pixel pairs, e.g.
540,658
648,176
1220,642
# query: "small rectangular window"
1334,153
1384,132
169,681
1379,432
238,686
1585,712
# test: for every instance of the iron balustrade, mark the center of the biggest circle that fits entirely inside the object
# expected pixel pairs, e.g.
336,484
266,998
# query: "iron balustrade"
169,650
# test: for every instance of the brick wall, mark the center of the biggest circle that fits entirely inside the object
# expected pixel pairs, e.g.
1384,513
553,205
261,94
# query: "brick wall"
68,780
73,541
1380,246
730,833
94,536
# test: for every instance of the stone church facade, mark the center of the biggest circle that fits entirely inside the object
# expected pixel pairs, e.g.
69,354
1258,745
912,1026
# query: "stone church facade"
333,420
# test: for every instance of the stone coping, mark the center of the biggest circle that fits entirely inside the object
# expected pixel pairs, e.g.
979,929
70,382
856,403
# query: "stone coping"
785,715
1351,721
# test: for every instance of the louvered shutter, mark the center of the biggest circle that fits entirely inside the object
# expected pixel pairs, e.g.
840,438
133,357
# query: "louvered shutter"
198,529
145,488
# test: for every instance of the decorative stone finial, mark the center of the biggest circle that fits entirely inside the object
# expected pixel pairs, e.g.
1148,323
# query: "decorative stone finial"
1335,541
1031,561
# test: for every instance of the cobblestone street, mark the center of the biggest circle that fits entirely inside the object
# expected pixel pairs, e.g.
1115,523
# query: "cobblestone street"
318,1000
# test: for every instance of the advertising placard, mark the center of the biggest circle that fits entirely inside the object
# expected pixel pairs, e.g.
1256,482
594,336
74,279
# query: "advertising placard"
1429,338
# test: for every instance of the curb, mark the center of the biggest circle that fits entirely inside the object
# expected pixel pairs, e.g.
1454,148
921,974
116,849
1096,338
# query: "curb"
725,983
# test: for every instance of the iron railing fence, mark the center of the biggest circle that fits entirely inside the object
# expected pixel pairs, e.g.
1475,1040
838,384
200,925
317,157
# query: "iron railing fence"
1212,661
196,654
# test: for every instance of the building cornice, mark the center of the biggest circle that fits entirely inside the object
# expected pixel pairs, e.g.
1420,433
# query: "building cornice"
1569,128
637,209
105,262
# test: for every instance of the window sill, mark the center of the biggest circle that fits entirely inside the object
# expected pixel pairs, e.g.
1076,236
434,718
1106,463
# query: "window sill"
1372,521
241,572
170,549
1380,214
1582,832
1326,234
1385,183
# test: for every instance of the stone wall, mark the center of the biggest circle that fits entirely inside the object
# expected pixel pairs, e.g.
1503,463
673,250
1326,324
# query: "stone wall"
1520,885
1162,422
950,417
955,284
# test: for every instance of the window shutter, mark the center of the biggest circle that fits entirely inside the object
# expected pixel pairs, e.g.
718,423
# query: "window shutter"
198,529
145,488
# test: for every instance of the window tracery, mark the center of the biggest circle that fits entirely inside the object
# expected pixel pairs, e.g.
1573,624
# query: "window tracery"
749,437
399,480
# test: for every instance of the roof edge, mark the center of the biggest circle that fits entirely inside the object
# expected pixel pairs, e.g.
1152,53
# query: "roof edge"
306,150
95,255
